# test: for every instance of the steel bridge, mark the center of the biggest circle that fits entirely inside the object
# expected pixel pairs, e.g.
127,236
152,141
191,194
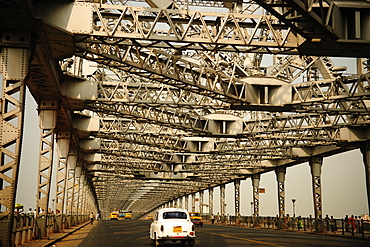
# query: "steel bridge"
150,102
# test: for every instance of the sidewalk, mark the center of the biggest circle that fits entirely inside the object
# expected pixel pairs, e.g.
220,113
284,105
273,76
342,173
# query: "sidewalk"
308,231
55,237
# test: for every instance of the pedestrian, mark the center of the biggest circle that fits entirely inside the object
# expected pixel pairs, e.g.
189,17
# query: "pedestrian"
18,208
357,223
346,222
359,226
98,216
30,212
332,224
92,216
351,221
212,218
327,221
300,223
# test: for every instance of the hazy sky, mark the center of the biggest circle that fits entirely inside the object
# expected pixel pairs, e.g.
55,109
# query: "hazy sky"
343,179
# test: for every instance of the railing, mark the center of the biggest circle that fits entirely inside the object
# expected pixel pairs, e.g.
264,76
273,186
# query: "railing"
356,227
26,228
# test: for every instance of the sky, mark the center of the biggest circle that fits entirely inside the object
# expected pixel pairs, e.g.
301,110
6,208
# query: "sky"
343,181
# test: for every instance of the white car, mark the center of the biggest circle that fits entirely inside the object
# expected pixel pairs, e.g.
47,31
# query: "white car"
172,224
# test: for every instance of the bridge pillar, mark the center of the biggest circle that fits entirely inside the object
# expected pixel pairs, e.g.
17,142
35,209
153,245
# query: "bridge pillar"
187,202
193,202
210,200
82,199
280,177
181,202
77,193
315,164
13,68
365,150
201,193
63,143
256,184
222,202
70,185
48,111
237,201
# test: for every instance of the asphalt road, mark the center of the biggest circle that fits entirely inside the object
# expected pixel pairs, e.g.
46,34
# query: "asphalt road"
132,233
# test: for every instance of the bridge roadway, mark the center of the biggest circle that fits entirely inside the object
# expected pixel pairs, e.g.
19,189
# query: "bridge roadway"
135,233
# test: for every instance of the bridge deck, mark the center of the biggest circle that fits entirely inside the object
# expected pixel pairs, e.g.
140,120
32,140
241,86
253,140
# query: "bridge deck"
135,233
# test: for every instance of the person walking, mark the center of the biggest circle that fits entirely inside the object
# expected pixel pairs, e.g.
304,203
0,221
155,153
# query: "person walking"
351,221
92,218
212,218
30,212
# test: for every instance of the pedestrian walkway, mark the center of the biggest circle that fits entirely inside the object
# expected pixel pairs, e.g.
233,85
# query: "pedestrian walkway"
56,237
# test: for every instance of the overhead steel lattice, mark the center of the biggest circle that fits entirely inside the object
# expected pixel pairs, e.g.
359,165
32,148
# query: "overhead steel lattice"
167,98
188,95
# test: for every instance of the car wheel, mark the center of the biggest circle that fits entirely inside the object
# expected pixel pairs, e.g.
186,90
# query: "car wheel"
191,243
156,241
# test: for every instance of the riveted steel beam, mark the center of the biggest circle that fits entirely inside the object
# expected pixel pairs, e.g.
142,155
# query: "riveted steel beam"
315,164
14,62
280,177
48,111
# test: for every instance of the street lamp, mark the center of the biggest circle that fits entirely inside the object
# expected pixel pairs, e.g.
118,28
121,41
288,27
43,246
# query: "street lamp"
293,201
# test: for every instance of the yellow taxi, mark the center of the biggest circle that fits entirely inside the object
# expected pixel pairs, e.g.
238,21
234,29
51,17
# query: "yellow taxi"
113,216
196,218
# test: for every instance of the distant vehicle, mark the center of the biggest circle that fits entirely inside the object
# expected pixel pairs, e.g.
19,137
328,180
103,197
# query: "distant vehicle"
172,224
128,216
113,216
150,217
121,216
196,218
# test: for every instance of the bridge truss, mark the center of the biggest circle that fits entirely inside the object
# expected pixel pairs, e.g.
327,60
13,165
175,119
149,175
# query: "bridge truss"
152,101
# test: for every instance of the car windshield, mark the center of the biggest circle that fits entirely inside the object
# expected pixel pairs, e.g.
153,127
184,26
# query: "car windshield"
194,214
174,215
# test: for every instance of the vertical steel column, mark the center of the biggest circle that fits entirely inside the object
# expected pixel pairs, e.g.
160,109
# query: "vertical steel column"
315,164
280,177
256,184
222,200
70,185
63,143
13,67
193,202
82,199
365,150
237,198
180,201
210,200
77,193
201,202
48,111
187,202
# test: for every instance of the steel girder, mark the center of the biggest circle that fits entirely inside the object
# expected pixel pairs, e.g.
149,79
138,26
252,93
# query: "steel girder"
176,28
331,28
11,126
215,76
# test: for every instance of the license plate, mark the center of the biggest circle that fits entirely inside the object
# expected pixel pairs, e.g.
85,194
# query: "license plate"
177,229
